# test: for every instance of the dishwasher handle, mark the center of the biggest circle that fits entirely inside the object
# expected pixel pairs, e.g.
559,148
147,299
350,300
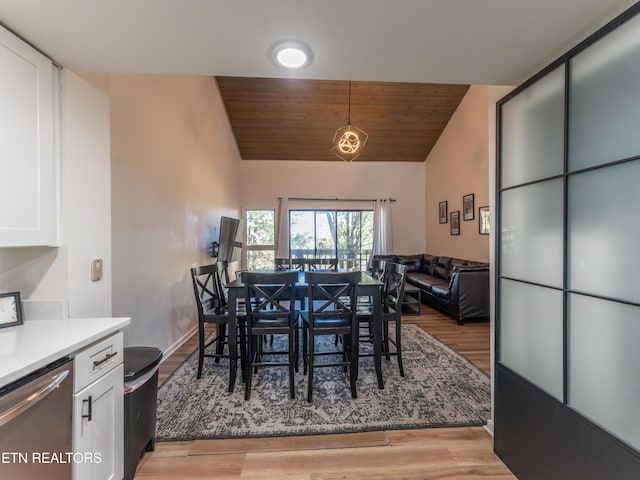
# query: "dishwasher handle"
33,399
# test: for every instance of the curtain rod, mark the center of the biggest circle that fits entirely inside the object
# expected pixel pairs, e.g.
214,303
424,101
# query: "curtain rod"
337,199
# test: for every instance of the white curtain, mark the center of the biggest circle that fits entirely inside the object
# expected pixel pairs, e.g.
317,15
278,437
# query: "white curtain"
282,239
382,228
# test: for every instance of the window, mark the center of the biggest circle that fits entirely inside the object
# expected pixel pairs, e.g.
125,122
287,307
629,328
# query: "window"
260,244
343,234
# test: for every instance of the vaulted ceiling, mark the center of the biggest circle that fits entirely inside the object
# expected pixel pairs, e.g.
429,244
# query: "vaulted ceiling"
486,42
428,43
293,119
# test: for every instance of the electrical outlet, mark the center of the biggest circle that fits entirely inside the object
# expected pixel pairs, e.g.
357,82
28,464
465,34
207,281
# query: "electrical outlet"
96,270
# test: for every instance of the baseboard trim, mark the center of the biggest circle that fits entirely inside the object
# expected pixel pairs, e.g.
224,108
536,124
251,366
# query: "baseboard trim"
489,427
169,351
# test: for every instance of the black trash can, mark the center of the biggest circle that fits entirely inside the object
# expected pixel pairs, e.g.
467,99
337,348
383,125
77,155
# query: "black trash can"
140,401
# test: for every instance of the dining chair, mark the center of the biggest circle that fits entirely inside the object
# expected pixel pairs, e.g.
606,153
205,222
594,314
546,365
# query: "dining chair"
283,263
273,314
322,264
223,279
376,270
212,308
393,283
297,263
331,297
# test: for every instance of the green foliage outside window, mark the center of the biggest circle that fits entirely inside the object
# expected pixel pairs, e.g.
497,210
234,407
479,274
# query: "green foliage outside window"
260,227
345,234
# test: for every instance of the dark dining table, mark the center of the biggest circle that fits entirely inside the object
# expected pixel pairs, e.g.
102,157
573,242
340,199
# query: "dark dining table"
367,287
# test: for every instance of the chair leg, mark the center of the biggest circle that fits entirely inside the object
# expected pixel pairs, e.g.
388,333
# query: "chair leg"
346,342
200,350
261,341
243,349
297,346
253,340
310,365
221,330
233,356
353,373
293,347
399,347
385,336
305,349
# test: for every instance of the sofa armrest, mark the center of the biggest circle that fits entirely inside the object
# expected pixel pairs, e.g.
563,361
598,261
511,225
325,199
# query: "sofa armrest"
470,290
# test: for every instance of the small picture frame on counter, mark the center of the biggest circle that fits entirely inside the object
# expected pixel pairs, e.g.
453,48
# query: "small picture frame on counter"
10,309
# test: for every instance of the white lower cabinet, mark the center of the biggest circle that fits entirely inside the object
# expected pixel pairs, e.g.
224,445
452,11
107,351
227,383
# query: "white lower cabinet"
98,412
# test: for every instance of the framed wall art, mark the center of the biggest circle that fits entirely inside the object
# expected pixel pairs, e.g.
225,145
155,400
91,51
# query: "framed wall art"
442,212
10,309
467,207
483,220
455,223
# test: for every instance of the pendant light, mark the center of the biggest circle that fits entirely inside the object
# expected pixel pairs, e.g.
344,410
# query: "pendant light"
348,140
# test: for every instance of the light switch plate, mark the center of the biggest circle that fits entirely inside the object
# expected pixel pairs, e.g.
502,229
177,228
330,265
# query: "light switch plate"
96,270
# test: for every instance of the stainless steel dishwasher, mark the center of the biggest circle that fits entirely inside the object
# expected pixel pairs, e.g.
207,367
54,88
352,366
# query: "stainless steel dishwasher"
35,424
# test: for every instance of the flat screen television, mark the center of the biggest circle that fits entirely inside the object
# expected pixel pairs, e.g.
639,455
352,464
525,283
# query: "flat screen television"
230,248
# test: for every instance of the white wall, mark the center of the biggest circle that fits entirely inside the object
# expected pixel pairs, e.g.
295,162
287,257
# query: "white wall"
87,194
63,273
458,165
175,172
263,181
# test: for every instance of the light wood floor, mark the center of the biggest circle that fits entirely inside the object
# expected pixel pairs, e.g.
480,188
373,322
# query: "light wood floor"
439,453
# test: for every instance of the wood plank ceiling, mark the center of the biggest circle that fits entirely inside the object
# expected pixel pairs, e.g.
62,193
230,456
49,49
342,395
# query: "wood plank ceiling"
293,119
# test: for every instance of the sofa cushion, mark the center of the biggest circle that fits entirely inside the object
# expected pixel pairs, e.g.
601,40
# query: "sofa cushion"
444,262
413,262
440,291
429,263
422,280
443,268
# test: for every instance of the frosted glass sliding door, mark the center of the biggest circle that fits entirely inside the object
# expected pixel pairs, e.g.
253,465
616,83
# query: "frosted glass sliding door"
604,232
567,307
532,233
531,334
603,112
604,357
533,132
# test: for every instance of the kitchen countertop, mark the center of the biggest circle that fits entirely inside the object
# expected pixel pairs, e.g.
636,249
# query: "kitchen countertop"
28,347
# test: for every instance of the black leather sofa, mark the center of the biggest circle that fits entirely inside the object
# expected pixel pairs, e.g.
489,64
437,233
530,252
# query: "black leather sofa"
455,286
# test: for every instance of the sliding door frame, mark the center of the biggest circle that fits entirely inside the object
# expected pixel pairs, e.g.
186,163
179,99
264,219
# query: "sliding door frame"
536,435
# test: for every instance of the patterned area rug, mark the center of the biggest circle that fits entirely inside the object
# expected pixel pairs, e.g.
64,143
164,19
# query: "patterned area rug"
440,389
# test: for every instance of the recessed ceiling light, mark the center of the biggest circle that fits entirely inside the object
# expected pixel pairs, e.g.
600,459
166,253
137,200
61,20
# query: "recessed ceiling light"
291,57
292,54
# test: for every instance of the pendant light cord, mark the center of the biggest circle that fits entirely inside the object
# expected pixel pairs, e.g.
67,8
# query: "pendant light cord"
349,112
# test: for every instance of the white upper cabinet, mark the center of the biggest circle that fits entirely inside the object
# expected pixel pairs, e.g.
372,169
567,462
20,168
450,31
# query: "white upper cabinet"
28,159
